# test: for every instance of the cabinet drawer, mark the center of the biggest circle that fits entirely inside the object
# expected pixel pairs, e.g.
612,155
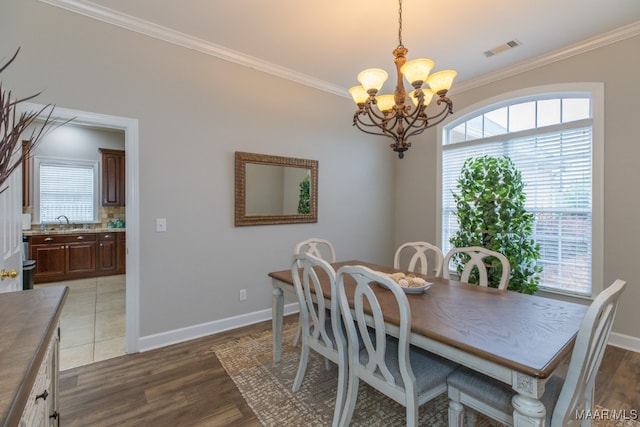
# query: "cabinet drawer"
42,400
107,236
62,238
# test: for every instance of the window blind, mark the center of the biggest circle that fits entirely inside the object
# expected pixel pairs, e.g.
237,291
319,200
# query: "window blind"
556,167
66,190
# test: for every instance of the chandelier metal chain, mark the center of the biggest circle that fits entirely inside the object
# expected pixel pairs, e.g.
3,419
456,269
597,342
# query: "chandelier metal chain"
399,22
395,116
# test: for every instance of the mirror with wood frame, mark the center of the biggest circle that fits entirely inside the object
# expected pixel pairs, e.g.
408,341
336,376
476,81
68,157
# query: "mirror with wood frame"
275,189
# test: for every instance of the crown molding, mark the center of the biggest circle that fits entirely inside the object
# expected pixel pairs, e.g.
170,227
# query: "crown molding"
110,16
178,38
596,42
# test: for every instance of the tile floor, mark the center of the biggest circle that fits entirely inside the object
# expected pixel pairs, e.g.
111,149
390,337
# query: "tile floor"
92,323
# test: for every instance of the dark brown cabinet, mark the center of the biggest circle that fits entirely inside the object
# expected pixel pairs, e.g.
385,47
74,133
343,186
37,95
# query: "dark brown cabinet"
49,257
81,258
61,257
107,253
113,177
121,253
73,256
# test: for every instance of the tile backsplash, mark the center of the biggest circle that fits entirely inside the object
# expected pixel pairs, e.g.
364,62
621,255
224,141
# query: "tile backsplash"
105,214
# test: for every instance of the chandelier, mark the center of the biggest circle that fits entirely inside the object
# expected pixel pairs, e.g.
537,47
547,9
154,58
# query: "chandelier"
397,116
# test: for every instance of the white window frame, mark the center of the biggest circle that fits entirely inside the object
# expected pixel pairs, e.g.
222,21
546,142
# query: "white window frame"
596,90
39,160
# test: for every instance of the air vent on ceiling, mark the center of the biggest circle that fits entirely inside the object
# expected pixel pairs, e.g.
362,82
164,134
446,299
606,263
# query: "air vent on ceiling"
501,48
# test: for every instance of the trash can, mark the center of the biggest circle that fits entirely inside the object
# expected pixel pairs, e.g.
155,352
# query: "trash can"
28,270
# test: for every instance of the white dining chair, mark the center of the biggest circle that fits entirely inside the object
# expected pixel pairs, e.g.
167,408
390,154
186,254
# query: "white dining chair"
563,399
419,257
317,247
478,259
406,374
322,329
320,248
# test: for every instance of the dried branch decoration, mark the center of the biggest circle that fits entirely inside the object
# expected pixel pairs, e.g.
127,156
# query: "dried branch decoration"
12,126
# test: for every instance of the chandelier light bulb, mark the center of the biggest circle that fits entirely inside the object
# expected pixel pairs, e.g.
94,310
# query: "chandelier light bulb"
385,102
372,79
359,95
442,80
417,70
428,96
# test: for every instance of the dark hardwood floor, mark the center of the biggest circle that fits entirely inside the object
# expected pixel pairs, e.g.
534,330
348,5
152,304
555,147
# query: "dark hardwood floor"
185,385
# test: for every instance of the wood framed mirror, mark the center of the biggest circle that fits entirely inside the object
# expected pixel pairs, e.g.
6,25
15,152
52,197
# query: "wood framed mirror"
275,189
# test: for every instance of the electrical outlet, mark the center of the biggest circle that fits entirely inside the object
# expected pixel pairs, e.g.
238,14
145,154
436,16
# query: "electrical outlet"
243,294
161,225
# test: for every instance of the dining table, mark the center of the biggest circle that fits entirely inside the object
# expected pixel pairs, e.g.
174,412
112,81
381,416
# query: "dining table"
516,338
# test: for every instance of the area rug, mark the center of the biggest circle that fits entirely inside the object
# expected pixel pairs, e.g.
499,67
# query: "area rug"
266,387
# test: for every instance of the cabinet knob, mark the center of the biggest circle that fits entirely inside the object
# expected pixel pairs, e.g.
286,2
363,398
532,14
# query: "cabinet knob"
43,396
80,237
11,274
48,239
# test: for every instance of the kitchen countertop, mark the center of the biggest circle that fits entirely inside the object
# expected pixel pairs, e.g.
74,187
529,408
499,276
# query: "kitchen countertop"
27,321
72,231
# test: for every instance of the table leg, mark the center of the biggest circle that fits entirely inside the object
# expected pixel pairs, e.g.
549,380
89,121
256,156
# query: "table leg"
528,411
277,312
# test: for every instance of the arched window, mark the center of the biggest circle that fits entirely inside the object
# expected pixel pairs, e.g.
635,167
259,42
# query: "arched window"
554,137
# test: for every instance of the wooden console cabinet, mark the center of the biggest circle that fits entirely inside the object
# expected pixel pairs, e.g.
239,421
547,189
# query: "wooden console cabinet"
29,365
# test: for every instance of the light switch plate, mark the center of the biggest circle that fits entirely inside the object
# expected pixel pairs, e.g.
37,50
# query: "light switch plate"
161,225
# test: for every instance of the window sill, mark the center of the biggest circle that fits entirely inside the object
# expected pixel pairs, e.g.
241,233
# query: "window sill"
557,295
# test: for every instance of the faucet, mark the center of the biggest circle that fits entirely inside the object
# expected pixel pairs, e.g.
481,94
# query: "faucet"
65,218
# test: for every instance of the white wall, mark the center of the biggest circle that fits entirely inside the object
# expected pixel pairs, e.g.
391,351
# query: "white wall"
616,65
77,142
194,112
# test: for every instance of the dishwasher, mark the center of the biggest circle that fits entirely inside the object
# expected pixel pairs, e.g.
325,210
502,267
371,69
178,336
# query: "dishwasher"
28,265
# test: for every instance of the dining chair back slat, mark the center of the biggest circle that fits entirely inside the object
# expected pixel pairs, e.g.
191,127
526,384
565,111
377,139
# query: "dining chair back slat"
319,248
321,326
418,263
384,359
478,260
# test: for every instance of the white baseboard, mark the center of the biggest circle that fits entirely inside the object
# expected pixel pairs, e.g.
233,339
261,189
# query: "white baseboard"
163,339
625,341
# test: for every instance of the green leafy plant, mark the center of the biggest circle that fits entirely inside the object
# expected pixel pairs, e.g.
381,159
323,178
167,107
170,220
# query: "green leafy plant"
491,213
304,204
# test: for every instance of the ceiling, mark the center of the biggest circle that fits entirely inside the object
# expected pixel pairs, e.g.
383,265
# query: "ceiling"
327,43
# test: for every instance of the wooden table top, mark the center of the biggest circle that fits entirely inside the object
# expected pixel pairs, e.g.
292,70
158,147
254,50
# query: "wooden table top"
526,333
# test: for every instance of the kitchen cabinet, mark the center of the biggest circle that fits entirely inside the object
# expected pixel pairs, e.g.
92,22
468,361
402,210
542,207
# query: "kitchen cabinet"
107,253
65,256
113,177
41,409
73,256
30,330
121,253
